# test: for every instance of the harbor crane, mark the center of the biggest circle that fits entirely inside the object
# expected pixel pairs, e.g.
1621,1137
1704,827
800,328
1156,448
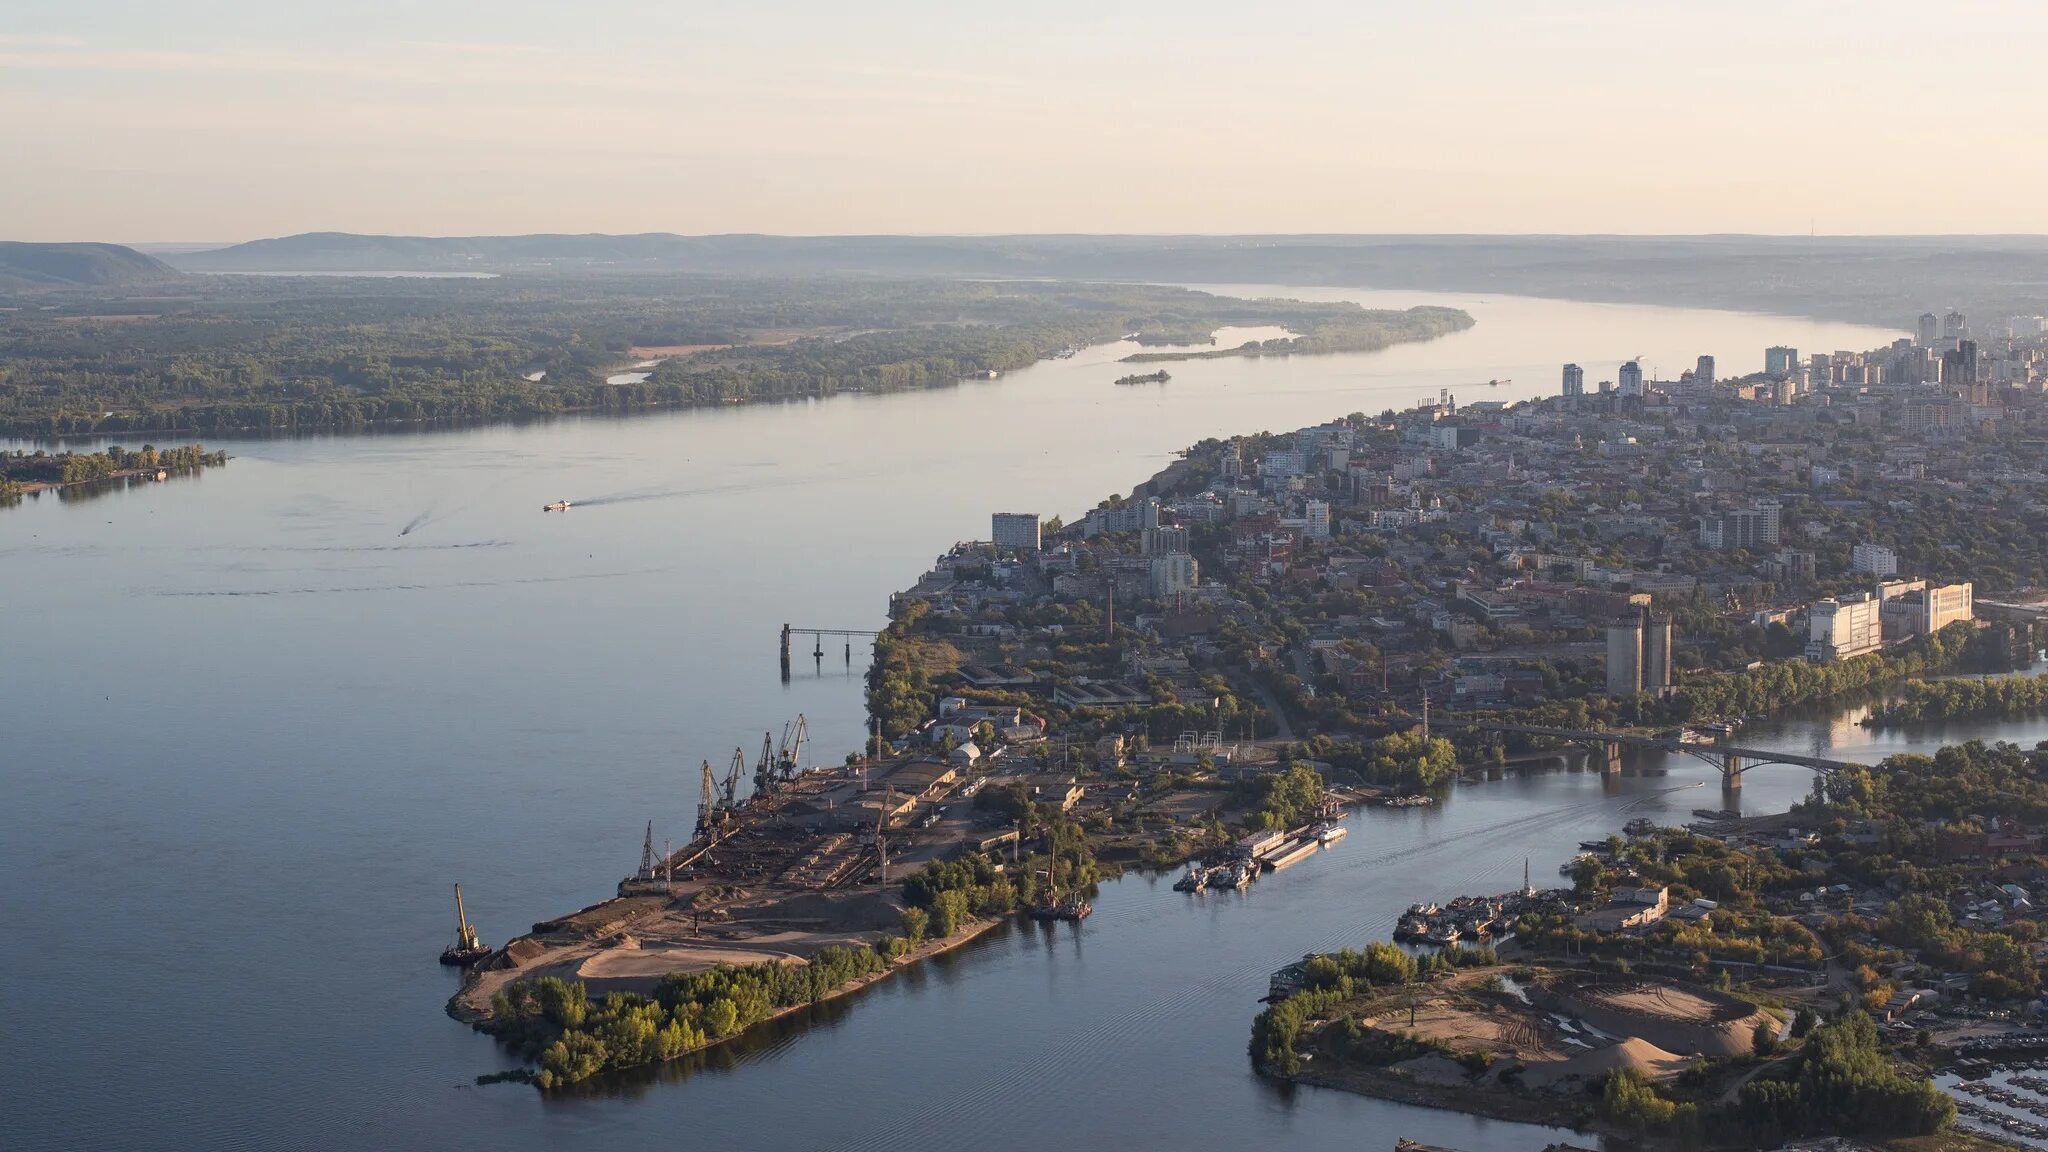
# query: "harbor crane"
764,767
732,778
790,756
707,805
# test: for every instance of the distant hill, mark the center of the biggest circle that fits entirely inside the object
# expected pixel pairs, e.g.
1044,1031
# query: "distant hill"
76,266
1877,279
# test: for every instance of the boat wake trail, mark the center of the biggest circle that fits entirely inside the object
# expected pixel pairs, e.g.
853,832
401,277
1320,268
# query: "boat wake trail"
436,587
416,521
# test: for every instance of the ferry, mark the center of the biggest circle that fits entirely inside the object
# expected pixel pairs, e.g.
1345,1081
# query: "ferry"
557,506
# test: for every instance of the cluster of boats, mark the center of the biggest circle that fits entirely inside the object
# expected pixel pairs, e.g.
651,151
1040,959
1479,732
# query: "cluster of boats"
1717,813
2024,1127
1269,852
1640,826
1417,801
1466,918
1237,874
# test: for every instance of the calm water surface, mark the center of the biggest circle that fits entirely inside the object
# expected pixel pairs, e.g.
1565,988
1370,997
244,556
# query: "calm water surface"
253,732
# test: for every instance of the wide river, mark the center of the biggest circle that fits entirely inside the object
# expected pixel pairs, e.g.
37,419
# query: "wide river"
227,877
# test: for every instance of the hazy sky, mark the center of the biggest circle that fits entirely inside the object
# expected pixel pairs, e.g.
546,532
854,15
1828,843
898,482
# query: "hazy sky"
157,120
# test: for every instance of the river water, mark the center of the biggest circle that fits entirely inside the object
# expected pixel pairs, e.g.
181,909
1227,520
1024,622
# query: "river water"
227,877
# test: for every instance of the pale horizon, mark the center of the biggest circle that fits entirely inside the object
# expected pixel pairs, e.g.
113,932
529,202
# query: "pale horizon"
190,124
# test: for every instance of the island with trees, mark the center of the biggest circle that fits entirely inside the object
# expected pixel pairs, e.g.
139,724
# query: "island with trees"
25,473
1159,377
279,354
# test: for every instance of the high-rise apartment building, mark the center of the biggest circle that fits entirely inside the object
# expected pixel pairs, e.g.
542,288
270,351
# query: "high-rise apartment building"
1318,512
1954,327
1574,380
1014,530
1781,361
1703,372
1159,541
1929,330
1630,379
1873,560
1174,573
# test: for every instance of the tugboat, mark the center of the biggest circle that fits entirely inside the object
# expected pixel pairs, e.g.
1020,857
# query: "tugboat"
467,949
1197,877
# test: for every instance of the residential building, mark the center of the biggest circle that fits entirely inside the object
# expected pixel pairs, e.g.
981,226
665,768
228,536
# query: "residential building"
1840,627
1015,530
1780,361
1873,560
1703,372
1574,381
1162,540
1930,329
1954,327
1318,527
1630,379
1755,527
1174,573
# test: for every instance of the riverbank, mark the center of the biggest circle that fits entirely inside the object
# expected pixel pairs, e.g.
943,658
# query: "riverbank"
483,999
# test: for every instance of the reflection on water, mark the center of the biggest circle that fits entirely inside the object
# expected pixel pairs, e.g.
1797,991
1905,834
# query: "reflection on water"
254,733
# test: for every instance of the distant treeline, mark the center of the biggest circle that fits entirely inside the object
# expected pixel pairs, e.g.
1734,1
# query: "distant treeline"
1957,699
292,354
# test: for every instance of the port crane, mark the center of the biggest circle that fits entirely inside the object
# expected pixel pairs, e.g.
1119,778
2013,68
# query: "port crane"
731,786
764,767
790,756
707,805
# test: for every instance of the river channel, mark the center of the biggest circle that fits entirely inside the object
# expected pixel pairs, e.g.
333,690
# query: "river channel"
227,876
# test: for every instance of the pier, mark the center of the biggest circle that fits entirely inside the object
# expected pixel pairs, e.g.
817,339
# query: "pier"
790,632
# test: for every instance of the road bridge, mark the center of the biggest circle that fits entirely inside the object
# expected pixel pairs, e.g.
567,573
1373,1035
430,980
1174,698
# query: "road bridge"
1731,760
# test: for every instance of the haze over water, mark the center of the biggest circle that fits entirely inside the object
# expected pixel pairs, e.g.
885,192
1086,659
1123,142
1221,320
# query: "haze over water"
254,733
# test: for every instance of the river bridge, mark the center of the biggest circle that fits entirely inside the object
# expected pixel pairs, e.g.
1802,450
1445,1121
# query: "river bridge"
1732,761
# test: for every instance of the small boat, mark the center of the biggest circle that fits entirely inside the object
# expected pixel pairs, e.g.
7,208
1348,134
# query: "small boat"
1593,845
1197,876
1640,826
1443,934
1331,833
467,949
557,506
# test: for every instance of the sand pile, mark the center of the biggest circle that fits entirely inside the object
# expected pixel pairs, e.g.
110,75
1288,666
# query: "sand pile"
1637,1055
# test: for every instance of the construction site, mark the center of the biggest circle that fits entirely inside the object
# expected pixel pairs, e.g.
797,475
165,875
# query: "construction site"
1489,1043
782,862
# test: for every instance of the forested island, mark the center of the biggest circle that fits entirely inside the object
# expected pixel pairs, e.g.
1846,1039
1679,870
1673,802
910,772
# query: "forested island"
1159,377
25,472
214,354
1962,699
1345,332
